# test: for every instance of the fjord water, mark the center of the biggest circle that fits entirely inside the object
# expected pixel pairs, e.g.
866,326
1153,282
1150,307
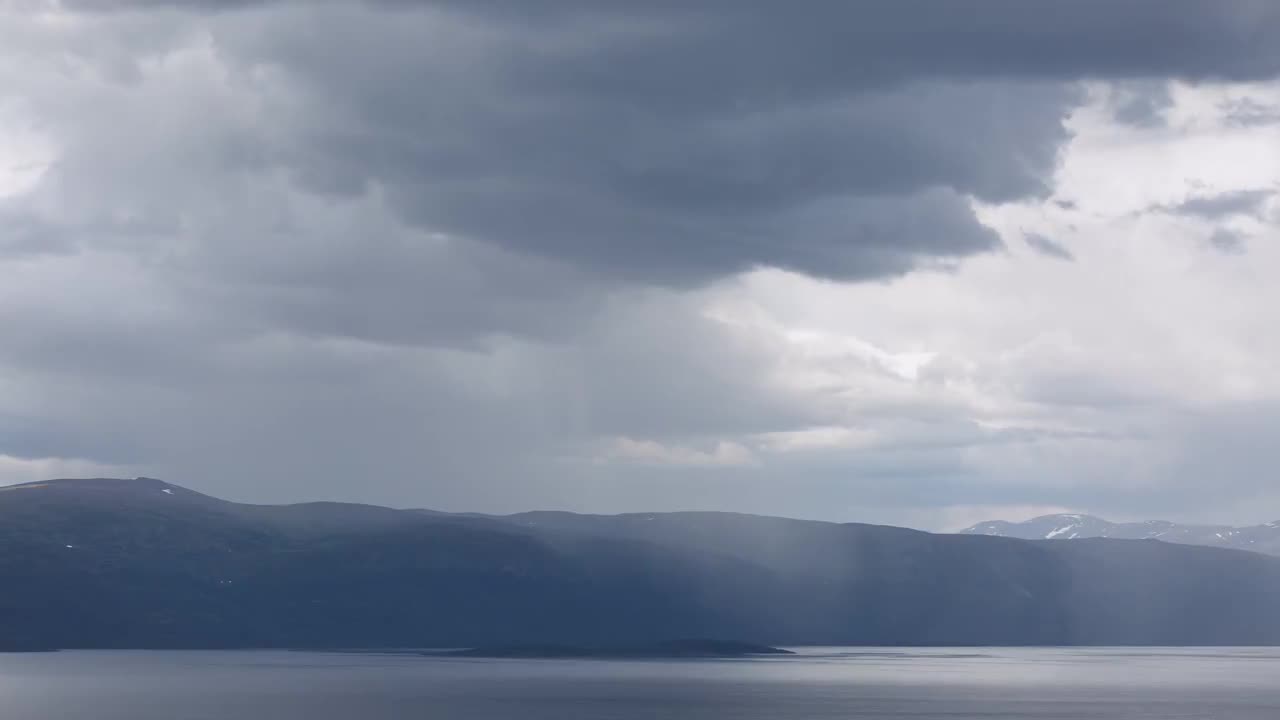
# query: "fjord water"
1223,684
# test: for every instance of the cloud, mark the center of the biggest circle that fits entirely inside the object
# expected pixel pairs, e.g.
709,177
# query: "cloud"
439,253
1227,241
1250,112
1046,246
1142,104
17,470
663,145
1087,38
819,438
648,452
1224,205
647,188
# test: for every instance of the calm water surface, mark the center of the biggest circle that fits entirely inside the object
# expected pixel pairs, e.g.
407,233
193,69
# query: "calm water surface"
1213,684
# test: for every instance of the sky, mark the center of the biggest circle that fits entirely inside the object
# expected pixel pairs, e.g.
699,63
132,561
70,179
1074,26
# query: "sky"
908,262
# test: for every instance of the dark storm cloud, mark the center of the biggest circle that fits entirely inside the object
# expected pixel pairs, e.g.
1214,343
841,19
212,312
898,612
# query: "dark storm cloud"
635,188
1046,246
674,142
833,43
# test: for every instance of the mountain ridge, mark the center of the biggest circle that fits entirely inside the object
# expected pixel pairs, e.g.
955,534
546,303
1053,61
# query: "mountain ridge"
1263,538
147,564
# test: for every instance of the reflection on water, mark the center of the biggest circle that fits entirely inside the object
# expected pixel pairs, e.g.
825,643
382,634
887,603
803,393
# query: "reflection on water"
925,684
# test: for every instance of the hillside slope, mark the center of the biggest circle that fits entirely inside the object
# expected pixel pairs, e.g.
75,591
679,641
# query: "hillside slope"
142,563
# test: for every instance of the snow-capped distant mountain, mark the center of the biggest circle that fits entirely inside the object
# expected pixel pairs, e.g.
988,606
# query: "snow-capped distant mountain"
1258,538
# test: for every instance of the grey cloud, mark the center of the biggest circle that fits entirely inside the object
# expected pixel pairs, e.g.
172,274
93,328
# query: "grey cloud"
1222,205
833,43
405,252
634,188
1047,246
655,369
1086,390
1228,241
849,184
1248,112
1205,464
1142,104
686,135
1228,443
672,144
24,234
400,289
282,417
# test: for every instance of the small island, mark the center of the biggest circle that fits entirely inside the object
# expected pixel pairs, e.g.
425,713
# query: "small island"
673,649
